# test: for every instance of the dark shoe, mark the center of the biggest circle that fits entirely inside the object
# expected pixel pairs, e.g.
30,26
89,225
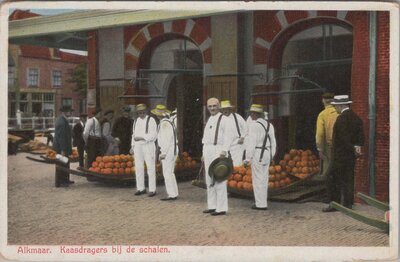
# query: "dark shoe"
258,208
64,185
168,199
208,211
151,194
71,182
138,193
218,213
328,209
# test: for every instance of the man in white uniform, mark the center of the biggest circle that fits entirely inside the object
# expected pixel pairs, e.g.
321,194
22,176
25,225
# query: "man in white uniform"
260,149
144,135
239,134
92,137
217,140
168,144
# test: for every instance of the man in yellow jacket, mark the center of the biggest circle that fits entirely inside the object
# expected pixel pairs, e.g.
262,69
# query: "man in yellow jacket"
325,122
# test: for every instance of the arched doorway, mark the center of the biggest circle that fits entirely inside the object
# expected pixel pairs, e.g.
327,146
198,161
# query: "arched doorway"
172,67
321,54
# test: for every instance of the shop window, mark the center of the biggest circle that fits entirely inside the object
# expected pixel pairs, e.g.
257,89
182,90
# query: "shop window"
48,97
56,78
23,96
33,77
66,102
36,96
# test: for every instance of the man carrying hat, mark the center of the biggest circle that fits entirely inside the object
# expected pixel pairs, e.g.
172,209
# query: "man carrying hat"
78,140
144,135
92,136
260,150
168,143
122,130
240,132
217,141
348,137
63,145
323,137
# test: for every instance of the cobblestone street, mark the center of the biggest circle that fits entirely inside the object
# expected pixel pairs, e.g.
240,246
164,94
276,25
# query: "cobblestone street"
96,214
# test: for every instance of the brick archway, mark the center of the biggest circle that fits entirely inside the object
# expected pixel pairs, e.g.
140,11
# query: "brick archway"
187,28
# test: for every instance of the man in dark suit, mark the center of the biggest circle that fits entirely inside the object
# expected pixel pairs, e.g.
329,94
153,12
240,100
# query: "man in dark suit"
348,137
122,129
63,145
78,140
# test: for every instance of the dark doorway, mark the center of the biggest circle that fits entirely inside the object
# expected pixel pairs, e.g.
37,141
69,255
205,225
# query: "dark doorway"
185,93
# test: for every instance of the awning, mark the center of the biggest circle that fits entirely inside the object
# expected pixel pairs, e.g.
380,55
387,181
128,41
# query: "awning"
69,30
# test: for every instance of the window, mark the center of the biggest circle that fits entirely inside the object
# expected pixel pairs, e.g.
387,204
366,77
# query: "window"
56,78
23,96
48,97
33,77
36,96
67,102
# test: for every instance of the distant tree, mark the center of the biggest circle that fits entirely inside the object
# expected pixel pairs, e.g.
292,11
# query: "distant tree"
78,75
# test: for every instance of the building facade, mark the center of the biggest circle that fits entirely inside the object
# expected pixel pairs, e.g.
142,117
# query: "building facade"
39,79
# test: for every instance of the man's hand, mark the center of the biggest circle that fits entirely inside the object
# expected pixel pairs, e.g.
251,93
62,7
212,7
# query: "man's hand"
138,138
222,154
246,162
162,157
241,140
117,140
131,151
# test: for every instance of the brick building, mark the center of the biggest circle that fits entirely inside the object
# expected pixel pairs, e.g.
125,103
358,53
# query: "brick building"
281,59
40,75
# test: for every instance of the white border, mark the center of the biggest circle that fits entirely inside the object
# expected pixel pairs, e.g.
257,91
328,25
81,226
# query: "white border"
223,253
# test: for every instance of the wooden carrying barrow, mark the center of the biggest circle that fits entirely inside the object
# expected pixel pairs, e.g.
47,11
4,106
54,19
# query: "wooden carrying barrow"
381,224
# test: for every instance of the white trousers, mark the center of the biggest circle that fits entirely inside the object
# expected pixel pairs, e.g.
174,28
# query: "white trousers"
168,168
217,195
237,154
145,153
260,175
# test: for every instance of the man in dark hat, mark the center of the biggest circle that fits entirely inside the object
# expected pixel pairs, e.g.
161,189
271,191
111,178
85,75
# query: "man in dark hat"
348,137
63,145
323,137
122,130
92,136
78,140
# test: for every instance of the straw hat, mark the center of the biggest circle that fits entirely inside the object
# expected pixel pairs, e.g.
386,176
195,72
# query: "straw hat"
226,104
256,108
220,169
160,110
141,107
341,100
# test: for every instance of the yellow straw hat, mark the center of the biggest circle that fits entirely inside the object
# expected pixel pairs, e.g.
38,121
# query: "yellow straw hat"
226,104
256,108
160,110
141,107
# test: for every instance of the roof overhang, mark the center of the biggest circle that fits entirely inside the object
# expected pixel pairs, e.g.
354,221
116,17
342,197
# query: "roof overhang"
69,30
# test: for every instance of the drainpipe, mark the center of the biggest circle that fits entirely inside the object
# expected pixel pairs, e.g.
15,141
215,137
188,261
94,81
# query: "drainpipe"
371,100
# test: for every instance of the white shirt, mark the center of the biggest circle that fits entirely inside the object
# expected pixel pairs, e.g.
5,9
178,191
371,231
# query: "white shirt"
242,127
166,138
92,127
139,130
225,132
255,139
